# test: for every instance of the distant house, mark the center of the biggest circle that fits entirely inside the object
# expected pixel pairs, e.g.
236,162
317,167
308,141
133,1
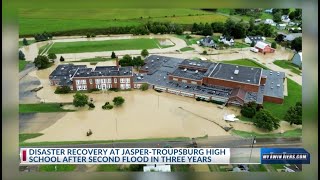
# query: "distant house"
281,26
291,24
268,10
255,39
297,59
264,48
268,21
157,168
285,19
226,40
208,42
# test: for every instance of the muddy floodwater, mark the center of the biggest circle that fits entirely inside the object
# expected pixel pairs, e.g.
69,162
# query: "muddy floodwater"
145,114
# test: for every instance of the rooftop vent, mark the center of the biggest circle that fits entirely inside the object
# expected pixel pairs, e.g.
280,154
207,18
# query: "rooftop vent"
151,60
237,66
278,85
64,77
248,80
271,87
78,73
236,71
198,64
147,67
231,77
157,58
185,69
88,73
62,68
271,82
190,63
196,71
251,68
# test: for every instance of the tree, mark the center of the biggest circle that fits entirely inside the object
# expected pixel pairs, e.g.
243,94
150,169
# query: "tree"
113,55
80,100
292,15
240,31
251,24
137,61
217,27
195,28
204,52
294,114
144,53
296,44
285,11
274,45
207,31
265,120
118,101
62,90
279,38
41,62
298,14
277,17
52,56
25,42
21,55
229,27
61,58
144,87
249,109
126,60
178,29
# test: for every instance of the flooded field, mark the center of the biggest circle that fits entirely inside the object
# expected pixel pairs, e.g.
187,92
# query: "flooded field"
145,114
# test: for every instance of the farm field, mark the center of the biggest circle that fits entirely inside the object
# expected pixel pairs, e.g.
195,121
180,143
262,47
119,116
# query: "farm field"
98,46
32,21
288,65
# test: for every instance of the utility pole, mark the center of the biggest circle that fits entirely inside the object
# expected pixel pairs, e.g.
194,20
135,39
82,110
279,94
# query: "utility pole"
253,142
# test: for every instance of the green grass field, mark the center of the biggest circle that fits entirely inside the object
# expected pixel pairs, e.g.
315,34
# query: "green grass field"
44,108
189,41
22,64
109,45
186,49
23,137
32,21
245,62
288,65
290,133
108,168
294,95
257,168
58,168
240,45
29,41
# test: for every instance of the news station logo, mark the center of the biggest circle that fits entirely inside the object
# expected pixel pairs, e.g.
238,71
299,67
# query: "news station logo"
284,156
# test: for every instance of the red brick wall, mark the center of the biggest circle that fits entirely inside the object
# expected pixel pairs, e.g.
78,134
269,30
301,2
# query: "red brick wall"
267,49
219,82
199,82
93,85
272,99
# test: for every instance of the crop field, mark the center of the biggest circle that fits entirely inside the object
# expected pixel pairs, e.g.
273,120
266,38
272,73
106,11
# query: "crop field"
32,21
109,45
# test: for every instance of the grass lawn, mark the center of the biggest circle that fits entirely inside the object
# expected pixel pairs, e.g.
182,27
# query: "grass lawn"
43,48
101,142
257,168
36,20
288,65
186,49
294,95
290,133
277,166
223,11
29,41
23,137
60,167
22,64
44,107
240,45
181,168
189,41
108,168
206,18
109,45
245,62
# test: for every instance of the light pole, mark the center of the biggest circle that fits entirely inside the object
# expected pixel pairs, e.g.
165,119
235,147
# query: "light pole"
253,142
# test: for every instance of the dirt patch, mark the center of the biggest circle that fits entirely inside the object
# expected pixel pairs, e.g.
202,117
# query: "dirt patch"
165,42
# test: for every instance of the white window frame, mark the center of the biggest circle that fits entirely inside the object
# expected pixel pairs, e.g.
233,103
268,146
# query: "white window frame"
128,86
115,80
122,80
78,82
103,81
97,81
194,82
128,80
175,79
109,80
84,87
90,81
109,86
84,81
184,81
98,86
122,86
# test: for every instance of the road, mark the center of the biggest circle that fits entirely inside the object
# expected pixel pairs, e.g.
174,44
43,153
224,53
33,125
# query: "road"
211,142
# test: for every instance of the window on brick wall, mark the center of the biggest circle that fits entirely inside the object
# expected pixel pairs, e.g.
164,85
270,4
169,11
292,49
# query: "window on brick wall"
109,80
184,81
115,80
77,82
175,79
103,80
84,81
97,81
90,81
128,80
122,80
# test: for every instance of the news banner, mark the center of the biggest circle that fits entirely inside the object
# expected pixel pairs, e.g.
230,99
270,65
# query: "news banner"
163,156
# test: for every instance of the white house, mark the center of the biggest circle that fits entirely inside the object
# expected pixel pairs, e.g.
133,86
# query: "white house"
281,26
297,59
227,41
292,36
268,21
268,10
255,39
285,19
157,168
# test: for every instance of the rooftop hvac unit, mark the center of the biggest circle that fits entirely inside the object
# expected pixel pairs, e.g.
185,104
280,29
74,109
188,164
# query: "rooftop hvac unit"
196,71
231,77
271,87
146,67
185,69
190,63
278,85
151,60
248,80
236,71
237,66
198,64
157,58
271,82
251,68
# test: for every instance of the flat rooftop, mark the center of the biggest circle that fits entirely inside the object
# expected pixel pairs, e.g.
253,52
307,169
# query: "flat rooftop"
189,74
196,64
237,73
274,84
154,63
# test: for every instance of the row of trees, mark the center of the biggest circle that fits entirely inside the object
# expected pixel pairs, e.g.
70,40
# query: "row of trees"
43,61
127,60
43,37
264,119
233,29
295,44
